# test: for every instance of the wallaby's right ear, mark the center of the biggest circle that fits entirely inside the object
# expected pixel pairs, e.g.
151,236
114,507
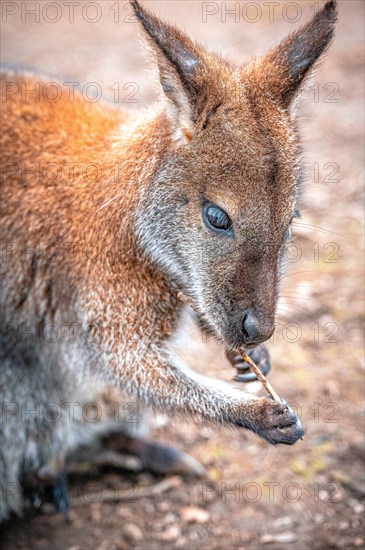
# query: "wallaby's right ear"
178,60
282,70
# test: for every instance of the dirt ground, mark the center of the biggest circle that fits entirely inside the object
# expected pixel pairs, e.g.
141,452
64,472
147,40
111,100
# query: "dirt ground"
310,496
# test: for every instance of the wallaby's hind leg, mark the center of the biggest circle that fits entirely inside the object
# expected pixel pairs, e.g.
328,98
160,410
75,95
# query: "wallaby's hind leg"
123,441
152,456
155,457
55,491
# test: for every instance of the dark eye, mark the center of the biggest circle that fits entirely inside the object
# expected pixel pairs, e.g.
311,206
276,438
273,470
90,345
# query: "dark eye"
216,218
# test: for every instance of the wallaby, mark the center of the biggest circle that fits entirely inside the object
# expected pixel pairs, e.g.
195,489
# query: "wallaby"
195,195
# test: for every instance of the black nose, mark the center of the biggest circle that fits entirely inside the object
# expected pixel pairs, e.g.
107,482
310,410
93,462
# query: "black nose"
254,328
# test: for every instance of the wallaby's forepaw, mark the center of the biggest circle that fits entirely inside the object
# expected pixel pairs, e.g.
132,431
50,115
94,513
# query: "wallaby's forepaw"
260,356
274,422
279,423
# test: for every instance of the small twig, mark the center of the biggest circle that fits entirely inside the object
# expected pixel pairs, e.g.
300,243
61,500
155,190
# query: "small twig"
130,494
268,387
264,381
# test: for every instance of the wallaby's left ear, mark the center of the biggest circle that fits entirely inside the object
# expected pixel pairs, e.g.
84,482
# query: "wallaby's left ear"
180,66
282,70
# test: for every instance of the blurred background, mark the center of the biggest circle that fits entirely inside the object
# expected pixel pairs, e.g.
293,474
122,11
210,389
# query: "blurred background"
307,496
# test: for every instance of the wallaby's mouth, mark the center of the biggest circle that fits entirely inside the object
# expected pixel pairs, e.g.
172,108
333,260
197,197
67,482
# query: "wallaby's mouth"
245,332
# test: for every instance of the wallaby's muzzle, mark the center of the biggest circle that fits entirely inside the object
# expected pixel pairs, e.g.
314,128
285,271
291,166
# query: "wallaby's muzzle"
247,329
255,328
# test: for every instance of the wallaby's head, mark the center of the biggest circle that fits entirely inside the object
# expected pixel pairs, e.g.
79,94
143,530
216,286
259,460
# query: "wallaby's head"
218,211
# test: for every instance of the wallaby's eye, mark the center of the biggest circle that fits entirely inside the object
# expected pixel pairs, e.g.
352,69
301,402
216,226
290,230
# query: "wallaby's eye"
216,218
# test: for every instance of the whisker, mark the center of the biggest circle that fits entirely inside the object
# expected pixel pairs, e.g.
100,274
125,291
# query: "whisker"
290,309
281,277
284,304
283,307
109,202
317,228
292,298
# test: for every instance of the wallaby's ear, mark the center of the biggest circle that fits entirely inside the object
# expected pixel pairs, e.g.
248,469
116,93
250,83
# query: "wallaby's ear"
178,60
284,68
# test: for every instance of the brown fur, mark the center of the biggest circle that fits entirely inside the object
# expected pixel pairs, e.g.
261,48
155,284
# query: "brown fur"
223,133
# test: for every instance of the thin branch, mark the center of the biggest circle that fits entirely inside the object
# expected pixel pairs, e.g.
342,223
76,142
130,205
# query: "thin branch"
111,495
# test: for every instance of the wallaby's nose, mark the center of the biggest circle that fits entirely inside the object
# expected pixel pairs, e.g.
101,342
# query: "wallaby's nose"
254,329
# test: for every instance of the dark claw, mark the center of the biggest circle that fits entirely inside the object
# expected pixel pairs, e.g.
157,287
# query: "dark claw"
33,497
260,356
60,494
